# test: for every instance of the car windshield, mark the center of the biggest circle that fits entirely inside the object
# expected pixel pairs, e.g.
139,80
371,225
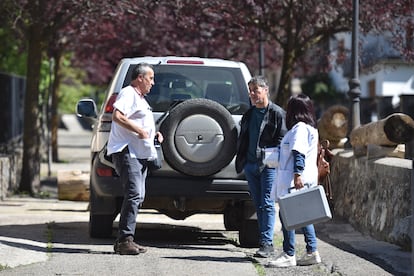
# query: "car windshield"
178,83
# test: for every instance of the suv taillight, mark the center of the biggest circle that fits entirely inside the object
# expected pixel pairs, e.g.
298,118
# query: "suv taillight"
109,108
104,172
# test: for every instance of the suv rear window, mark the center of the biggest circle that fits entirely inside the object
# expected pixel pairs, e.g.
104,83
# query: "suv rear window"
178,83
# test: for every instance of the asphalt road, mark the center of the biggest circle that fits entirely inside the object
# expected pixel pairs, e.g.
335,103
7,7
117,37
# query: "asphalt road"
50,237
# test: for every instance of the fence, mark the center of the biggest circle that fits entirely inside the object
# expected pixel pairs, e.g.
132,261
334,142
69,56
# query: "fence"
12,91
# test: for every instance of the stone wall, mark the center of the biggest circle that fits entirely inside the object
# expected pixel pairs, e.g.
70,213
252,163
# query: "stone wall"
4,176
10,169
374,195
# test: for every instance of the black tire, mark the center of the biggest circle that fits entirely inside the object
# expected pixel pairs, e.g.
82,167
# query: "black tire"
249,233
100,226
200,137
232,218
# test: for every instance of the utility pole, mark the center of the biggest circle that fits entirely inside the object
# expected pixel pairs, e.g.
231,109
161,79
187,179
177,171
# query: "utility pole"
261,52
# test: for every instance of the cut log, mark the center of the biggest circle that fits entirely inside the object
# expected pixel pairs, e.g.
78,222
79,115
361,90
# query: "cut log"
333,125
375,151
397,128
73,185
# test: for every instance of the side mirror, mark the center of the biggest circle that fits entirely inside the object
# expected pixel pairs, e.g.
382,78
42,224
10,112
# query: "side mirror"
86,108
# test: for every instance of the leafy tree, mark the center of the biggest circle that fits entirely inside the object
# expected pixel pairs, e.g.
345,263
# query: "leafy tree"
74,88
290,30
160,28
297,26
39,24
12,57
321,90
99,33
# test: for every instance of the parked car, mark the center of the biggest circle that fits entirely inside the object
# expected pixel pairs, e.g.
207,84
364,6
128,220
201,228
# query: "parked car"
197,105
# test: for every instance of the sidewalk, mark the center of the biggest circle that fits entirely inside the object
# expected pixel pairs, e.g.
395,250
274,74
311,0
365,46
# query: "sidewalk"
344,251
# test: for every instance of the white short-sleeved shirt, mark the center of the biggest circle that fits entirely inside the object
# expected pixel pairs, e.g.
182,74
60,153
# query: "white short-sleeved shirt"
304,139
136,109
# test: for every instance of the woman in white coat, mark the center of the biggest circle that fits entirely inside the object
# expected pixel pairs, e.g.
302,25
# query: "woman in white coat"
297,166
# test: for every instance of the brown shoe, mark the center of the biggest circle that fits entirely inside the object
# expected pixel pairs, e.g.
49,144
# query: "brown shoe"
140,248
128,247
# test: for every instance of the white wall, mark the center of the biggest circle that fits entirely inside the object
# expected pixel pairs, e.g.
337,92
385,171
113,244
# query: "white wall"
391,79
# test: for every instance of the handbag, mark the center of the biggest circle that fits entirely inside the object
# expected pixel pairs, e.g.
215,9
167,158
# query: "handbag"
324,168
271,157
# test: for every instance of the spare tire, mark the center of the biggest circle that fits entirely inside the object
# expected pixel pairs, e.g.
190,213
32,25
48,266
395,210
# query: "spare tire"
200,137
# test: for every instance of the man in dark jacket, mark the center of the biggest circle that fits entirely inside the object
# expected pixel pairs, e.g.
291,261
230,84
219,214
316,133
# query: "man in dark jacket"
262,126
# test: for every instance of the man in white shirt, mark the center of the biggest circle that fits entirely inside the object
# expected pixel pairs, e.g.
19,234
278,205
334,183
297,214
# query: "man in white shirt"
131,144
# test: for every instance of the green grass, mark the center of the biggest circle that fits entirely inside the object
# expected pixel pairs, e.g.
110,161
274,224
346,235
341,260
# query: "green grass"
49,235
3,267
259,268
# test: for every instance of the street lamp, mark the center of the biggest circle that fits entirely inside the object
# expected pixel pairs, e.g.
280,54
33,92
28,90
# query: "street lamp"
354,83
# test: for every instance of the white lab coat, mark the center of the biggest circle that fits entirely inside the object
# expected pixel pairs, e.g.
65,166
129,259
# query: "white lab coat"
304,139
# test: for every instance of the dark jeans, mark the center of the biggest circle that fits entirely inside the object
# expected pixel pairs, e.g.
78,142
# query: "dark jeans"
260,185
133,173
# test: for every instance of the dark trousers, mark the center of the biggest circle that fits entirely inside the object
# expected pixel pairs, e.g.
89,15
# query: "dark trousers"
132,173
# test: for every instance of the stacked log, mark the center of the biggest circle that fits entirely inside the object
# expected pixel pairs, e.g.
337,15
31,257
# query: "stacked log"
397,128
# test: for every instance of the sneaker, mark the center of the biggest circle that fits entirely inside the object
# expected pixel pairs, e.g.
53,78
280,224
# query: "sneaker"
310,259
265,251
284,260
128,247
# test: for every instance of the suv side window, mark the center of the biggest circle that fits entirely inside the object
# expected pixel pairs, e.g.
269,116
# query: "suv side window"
178,83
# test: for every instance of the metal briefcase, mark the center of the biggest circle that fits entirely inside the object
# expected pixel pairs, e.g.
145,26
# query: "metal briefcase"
304,207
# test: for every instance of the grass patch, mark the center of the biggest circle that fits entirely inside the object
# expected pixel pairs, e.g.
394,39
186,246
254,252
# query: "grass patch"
49,235
43,195
261,271
278,241
3,267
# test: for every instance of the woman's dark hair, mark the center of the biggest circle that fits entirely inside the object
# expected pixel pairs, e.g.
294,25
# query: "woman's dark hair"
300,109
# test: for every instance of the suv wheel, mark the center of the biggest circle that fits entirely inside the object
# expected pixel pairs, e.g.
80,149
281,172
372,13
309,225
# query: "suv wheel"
200,137
232,218
249,233
100,224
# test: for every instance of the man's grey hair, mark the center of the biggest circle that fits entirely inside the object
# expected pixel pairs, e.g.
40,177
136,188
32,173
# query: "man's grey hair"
259,81
141,69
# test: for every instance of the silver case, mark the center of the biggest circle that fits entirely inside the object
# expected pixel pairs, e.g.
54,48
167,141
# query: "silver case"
304,207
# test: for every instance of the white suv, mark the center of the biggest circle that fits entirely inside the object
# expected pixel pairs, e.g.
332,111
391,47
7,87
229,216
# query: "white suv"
197,105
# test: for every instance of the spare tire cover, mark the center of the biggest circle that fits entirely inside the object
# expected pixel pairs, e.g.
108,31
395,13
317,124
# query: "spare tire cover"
200,137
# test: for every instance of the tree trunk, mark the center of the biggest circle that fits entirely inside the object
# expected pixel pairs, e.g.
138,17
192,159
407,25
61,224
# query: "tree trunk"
283,94
54,108
30,179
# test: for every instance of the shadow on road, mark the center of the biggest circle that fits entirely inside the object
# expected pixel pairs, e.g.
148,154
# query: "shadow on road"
71,237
